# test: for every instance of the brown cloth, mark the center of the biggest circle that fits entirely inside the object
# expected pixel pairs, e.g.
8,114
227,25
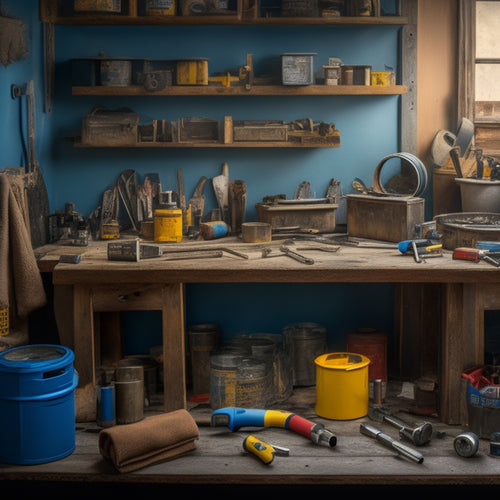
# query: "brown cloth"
21,285
153,440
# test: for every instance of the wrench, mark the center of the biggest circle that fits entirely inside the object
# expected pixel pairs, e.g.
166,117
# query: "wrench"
296,256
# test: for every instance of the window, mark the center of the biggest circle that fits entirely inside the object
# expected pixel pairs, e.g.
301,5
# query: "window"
487,77
487,62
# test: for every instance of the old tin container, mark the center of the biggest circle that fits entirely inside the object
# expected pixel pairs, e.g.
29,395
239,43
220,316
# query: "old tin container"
318,216
384,218
297,68
168,225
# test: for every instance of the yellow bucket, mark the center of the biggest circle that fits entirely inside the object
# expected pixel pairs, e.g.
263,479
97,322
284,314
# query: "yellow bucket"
341,385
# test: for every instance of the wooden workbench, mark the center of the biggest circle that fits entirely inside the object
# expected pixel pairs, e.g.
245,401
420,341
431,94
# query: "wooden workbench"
463,291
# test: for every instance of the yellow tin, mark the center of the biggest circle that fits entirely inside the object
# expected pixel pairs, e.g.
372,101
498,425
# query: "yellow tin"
168,225
383,78
192,72
342,385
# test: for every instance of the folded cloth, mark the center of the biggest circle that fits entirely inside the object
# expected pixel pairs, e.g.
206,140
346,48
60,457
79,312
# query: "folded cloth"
152,440
21,285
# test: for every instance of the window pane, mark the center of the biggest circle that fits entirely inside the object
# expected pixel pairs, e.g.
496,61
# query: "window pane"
487,29
487,82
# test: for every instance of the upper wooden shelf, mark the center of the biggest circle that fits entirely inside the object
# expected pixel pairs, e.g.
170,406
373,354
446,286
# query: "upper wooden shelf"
245,13
224,20
239,90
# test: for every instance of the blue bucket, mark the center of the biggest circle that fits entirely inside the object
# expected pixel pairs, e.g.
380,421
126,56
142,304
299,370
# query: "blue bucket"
37,404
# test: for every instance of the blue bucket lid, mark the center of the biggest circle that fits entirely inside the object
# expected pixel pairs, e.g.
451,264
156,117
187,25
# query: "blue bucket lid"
33,357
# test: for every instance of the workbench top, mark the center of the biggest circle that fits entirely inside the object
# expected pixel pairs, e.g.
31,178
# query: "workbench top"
353,262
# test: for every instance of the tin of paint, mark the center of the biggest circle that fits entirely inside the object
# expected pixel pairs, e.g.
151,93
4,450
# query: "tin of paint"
168,225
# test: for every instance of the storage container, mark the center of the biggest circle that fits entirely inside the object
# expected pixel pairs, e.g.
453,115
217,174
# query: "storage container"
483,402
104,127
317,216
465,229
342,385
37,404
297,68
479,195
384,218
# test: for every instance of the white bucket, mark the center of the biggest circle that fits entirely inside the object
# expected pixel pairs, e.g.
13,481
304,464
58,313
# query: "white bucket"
479,195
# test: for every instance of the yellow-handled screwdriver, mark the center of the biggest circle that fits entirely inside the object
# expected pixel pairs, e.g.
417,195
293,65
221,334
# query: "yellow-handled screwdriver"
262,450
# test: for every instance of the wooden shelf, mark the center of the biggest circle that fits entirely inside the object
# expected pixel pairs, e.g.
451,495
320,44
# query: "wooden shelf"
110,20
246,144
238,90
51,12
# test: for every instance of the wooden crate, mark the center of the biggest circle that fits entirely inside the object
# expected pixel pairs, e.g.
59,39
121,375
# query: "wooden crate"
384,218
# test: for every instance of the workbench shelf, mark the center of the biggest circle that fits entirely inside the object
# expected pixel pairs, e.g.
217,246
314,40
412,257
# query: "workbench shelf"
239,90
245,13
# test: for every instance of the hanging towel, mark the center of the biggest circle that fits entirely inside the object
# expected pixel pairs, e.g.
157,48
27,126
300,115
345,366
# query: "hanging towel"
153,440
21,285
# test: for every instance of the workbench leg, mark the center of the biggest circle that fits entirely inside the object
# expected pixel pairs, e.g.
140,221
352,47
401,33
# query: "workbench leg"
84,348
174,357
462,346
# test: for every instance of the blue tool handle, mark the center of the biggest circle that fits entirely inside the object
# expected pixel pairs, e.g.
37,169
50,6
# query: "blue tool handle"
241,417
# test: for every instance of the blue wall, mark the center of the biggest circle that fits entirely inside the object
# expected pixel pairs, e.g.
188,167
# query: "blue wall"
368,125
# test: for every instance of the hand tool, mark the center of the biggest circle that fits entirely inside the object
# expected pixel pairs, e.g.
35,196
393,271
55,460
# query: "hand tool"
182,200
220,184
389,442
466,444
476,254
420,247
126,185
197,202
296,256
234,418
418,435
262,450
455,158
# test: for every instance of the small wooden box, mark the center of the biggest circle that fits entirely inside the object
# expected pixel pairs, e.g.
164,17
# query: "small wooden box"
384,218
256,130
103,127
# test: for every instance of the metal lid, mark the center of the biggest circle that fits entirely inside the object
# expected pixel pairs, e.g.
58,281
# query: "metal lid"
342,361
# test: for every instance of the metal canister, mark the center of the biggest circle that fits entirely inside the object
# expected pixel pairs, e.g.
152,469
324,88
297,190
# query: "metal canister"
466,444
168,225
305,342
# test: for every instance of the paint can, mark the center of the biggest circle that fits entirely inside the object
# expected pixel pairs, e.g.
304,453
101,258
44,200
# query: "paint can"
223,368
203,342
372,344
342,385
168,225
129,393
106,406
116,72
495,445
37,404
213,229
305,342
265,350
252,383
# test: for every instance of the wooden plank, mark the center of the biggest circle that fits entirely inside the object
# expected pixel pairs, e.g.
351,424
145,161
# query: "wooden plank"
174,352
240,90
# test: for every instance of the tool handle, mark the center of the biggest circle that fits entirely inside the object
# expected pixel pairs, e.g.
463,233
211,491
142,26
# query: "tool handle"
262,450
407,451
